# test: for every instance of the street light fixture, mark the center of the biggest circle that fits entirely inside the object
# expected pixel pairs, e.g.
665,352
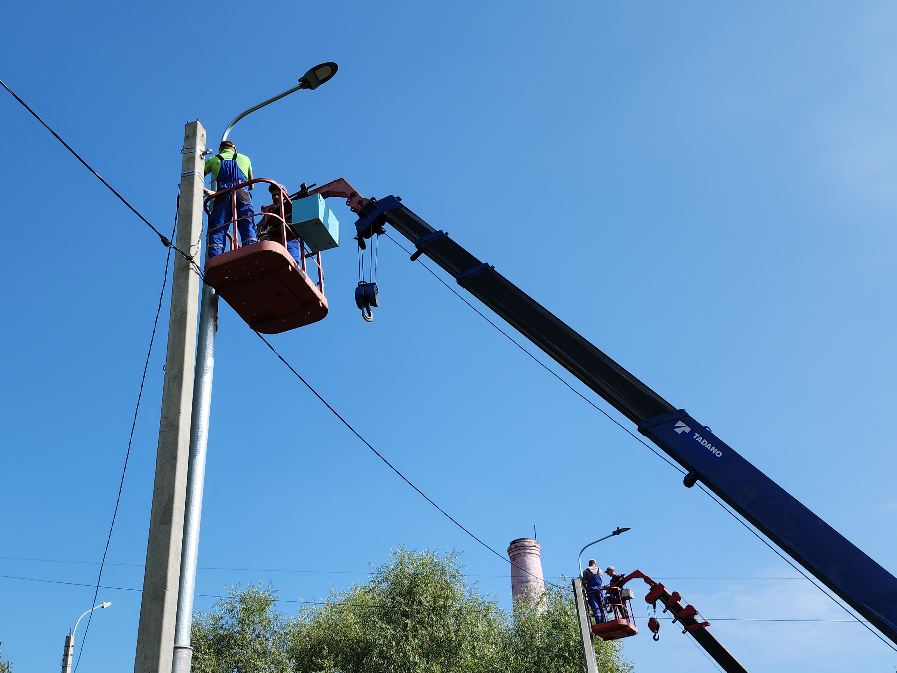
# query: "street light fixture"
318,75
616,532
311,80
202,404
69,650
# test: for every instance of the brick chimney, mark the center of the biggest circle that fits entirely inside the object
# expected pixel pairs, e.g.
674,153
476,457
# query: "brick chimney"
526,571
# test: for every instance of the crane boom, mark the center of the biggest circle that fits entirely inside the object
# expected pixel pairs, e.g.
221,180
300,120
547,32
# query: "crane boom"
841,566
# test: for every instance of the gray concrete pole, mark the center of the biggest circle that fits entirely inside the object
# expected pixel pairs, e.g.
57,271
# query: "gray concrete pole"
158,608
585,627
68,653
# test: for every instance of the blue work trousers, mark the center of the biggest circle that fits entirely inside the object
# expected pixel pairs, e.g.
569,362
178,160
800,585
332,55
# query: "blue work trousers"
293,249
220,223
595,604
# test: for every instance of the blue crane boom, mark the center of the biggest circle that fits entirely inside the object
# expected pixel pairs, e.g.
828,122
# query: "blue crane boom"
841,566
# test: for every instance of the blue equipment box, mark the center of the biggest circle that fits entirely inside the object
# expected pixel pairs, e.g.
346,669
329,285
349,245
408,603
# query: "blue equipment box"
315,223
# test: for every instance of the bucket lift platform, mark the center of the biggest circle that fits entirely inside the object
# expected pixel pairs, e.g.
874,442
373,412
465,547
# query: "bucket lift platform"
262,282
265,286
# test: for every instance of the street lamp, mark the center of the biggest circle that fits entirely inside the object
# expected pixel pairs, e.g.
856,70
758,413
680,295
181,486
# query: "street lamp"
311,80
69,650
202,404
616,532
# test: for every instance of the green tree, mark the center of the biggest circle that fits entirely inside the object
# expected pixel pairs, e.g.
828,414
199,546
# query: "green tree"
242,634
545,637
416,613
5,666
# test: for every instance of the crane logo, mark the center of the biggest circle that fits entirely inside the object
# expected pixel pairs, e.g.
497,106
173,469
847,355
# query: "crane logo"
707,445
681,427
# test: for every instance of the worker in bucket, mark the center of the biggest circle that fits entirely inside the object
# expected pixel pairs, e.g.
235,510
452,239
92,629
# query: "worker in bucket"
612,575
230,169
270,227
592,579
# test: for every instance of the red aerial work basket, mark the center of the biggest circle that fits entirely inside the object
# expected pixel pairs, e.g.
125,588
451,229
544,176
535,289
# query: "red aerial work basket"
614,629
262,282
616,608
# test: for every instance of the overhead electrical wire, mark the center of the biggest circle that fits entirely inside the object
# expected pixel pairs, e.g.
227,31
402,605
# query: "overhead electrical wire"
190,259
289,600
356,572
121,484
645,444
167,242
796,567
542,364
395,469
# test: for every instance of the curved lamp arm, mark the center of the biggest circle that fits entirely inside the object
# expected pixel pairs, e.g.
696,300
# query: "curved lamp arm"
101,605
616,532
311,80
257,107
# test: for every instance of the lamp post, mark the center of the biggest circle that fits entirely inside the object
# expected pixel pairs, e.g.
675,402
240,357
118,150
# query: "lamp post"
585,628
69,650
202,403
616,532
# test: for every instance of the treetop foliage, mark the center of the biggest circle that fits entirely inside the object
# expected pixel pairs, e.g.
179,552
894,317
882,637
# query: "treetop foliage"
5,666
416,613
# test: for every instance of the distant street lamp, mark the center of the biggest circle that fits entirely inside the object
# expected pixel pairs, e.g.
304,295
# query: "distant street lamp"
70,639
616,532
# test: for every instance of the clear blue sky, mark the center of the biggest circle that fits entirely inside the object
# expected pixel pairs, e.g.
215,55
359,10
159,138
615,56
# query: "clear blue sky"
704,190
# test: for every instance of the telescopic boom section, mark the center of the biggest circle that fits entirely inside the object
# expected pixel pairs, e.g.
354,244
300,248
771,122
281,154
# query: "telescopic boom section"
341,189
831,558
687,617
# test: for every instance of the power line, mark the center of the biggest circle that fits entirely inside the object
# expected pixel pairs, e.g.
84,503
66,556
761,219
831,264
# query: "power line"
707,656
643,443
356,572
124,470
796,567
542,364
394,468
167,242
287,600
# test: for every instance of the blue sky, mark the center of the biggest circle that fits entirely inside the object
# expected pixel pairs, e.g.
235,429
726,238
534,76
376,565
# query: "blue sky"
704,190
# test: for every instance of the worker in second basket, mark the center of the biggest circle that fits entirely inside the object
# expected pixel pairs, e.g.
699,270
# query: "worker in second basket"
230,169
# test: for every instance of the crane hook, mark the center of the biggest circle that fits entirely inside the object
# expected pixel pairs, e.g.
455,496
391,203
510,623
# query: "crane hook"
367,314
654,627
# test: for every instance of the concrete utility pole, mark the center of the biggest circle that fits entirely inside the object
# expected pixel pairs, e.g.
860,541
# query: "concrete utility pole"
202,404
158,609
68,653
585,627
69,650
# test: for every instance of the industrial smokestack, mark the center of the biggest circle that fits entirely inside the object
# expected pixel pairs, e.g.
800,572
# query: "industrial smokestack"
526,569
